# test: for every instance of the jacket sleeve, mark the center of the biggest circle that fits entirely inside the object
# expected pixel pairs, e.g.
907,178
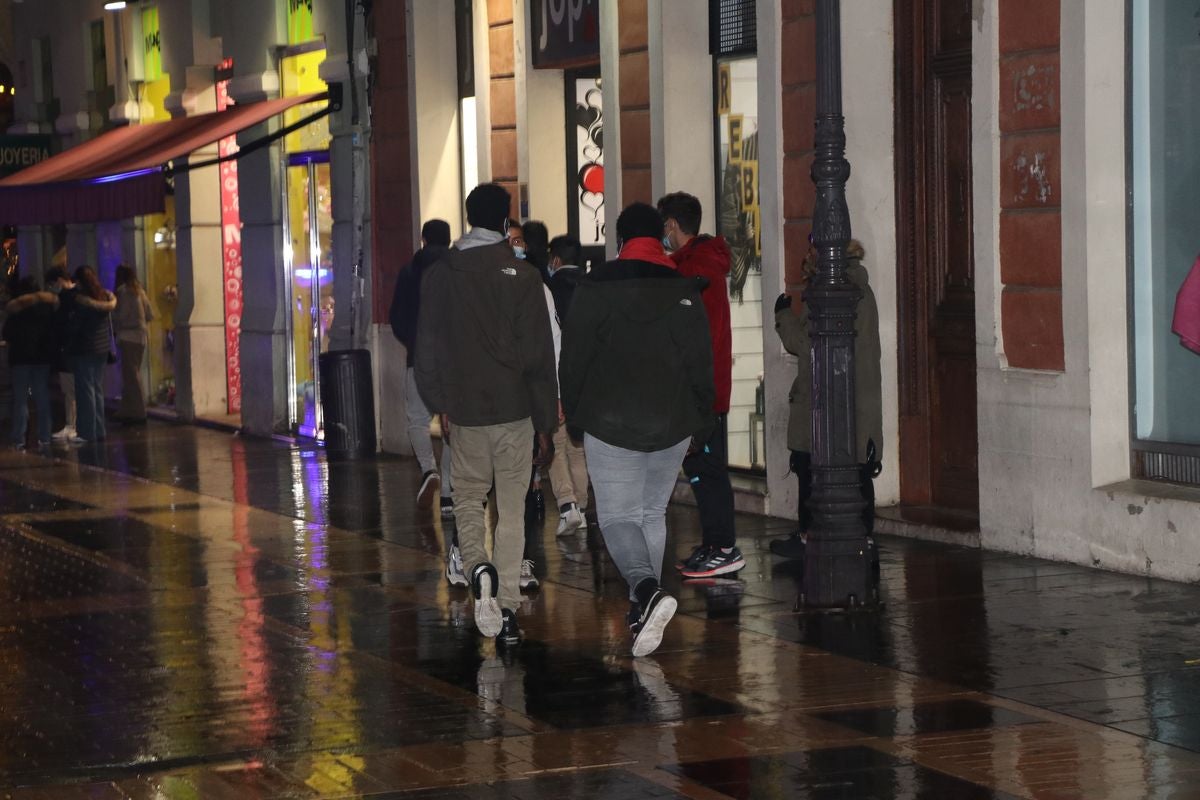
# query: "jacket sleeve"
535,343
579,336
428,361
793,330
698,363
402,326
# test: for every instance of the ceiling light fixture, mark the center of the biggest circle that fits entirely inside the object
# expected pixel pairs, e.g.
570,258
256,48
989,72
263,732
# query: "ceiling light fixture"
117,5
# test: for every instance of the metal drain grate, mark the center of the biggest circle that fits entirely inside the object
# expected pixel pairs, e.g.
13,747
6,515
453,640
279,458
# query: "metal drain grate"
1168,467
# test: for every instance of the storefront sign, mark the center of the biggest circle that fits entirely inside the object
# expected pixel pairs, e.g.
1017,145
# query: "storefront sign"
19,152
566,33
151,44
300,21
231,253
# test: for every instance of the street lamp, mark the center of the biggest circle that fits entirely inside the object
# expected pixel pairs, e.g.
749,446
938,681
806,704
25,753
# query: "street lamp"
837,569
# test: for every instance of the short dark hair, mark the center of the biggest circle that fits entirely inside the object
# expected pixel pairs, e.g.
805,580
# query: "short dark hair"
537,242
56,274
566,248
487,206
436,232
682,207
638,220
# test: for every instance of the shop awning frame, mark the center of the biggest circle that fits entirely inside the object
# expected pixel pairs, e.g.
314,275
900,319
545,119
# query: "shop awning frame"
123,173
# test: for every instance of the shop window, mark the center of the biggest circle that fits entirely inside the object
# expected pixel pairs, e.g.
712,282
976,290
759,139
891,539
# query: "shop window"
1165,122
735,90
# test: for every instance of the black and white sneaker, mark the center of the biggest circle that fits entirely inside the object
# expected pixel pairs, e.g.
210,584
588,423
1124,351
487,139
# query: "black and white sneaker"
484,585
454,567
447,508
431,482
528,579
648,627
697,557
716,561
510,631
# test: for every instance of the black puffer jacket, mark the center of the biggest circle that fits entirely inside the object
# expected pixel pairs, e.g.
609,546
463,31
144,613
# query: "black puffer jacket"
406,300
88,328
29,328
636,367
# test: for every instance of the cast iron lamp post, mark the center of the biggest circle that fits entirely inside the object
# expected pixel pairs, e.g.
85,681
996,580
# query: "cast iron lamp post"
837,569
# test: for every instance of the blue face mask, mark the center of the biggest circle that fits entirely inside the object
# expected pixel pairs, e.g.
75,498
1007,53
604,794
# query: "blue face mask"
666,243
519,252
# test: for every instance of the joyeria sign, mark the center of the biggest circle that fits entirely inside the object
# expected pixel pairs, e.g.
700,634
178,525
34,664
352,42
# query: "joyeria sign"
231,251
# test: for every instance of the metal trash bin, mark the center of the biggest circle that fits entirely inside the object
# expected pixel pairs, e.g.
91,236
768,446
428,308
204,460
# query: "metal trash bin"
348,404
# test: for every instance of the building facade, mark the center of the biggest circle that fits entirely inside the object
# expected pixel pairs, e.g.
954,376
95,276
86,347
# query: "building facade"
1021,187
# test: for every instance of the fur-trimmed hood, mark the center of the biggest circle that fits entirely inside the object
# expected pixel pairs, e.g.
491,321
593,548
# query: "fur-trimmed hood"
29,300
107,304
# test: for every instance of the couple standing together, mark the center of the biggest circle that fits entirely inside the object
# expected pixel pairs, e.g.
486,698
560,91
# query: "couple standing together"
637,384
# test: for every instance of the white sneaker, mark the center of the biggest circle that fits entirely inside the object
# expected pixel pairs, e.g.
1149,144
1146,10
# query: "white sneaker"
66,434
528,579
454,567
429,489
570,520
488,618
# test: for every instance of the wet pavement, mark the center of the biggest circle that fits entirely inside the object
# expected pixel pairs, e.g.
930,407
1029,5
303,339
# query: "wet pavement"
189,614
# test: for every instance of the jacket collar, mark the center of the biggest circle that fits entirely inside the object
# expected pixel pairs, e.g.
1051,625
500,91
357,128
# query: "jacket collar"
644,248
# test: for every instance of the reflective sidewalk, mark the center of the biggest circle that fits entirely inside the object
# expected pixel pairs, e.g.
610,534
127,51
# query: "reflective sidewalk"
187,614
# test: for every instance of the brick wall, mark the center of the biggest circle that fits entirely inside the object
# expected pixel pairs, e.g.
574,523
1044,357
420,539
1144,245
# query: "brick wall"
502,89
391,170
635,103
798,70
1030,186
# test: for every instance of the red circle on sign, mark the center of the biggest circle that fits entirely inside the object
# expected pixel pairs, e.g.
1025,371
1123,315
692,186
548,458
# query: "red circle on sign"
592,178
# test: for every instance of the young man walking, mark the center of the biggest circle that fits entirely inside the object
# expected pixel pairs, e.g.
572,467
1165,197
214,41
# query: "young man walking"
707,463
403,315
568,470
637,380
485,362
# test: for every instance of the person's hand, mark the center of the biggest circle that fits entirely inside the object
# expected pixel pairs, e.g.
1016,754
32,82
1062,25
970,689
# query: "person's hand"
545,450
444,422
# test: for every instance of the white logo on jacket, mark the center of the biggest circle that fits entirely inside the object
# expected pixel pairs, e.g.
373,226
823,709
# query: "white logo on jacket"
685,302
509,270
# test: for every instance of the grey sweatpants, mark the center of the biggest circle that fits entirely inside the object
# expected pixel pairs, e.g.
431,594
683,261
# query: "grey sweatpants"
419,419
632,491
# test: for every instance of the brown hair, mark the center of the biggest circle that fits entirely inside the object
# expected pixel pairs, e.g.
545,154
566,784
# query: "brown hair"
89,284
126,277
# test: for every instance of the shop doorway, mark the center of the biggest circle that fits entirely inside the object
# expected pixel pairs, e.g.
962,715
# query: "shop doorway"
309,266
936,270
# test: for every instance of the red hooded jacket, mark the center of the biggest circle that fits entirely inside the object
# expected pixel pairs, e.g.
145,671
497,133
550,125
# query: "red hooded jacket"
708,257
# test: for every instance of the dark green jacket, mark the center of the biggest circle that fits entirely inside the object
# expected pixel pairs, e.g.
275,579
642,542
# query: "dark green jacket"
868,419
484,350
636,365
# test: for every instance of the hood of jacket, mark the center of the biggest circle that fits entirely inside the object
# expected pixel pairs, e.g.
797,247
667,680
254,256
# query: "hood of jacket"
706,255
29,300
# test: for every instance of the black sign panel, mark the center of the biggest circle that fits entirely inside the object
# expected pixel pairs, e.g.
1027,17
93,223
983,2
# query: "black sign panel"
19,152
566,33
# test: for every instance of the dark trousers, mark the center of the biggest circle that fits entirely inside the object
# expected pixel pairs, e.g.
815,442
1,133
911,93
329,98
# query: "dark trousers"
708,471
801,463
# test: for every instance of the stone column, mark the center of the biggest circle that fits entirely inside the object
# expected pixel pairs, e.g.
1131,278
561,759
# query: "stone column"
265,292
200,387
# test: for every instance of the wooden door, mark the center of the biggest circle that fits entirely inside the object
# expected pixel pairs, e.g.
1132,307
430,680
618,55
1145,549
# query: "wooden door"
936,271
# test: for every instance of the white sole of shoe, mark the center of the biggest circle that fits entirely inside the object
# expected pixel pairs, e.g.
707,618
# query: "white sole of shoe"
572,524
429,489
650,636
488,618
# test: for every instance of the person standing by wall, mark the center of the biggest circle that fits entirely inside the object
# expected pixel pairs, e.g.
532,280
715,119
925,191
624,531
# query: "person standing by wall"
637,380
485,361
89,342
129,323
792,328
28,330
707,464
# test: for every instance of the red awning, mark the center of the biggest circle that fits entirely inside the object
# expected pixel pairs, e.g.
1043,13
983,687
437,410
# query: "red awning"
119,174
